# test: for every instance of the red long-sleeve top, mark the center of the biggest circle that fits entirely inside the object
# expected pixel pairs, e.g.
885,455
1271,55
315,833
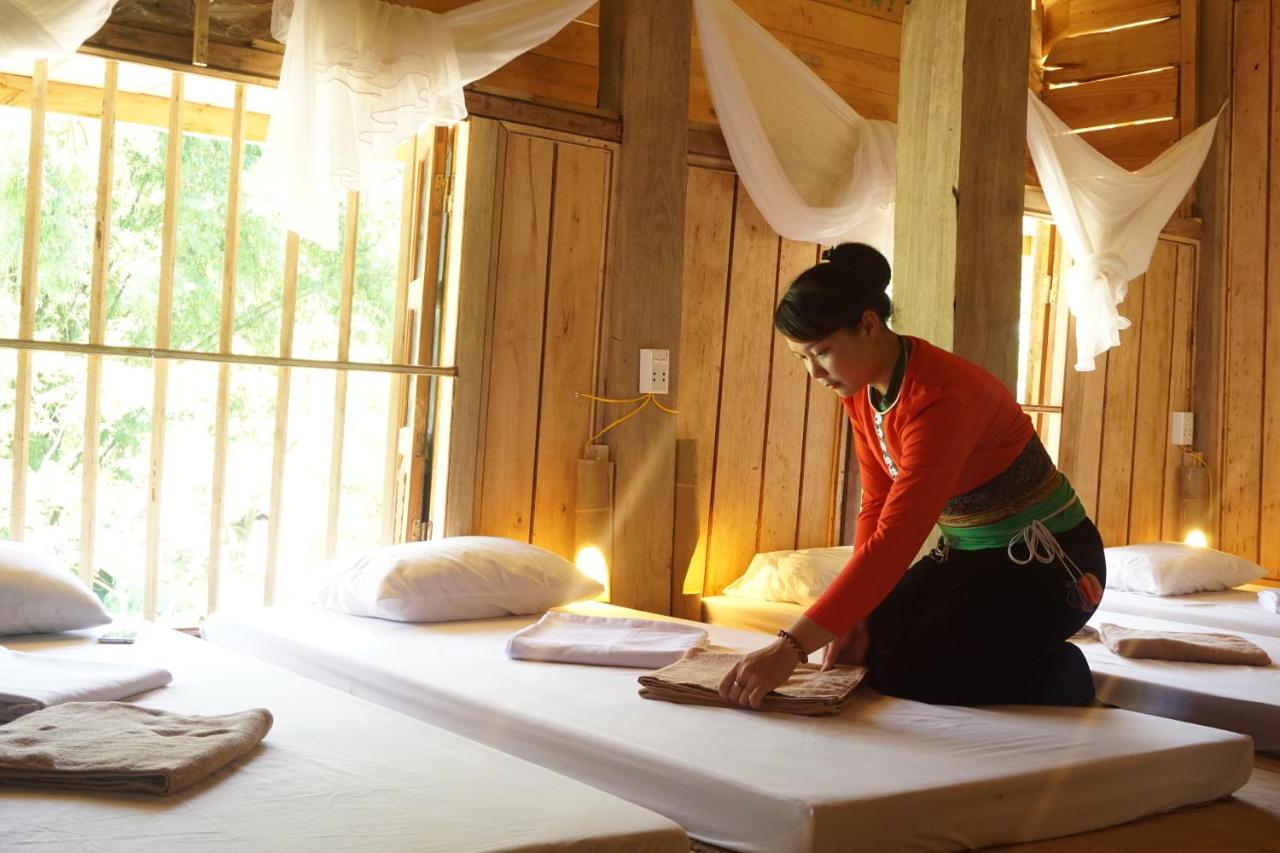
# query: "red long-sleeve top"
953,427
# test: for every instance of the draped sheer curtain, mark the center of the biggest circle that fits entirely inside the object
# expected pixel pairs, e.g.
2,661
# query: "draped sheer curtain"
362,76
820,172
816,169
1109,217
48,29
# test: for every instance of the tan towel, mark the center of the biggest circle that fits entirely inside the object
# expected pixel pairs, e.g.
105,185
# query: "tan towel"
114,746
695,680
1176,645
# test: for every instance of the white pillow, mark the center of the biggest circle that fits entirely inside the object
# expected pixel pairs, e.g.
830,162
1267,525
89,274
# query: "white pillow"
38,596
466,577
800,576
1171,568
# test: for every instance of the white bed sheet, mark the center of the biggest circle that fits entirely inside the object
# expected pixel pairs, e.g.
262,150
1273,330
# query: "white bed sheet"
334,774
749,614
1231,609
886,774
1243,699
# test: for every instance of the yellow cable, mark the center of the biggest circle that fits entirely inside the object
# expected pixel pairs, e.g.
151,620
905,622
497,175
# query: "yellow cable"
644,400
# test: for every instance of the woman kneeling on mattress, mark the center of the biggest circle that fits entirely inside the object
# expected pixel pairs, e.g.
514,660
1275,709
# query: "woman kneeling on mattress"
984,618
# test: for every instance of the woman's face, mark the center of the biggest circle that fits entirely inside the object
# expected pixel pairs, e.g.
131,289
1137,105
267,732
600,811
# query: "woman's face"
844,361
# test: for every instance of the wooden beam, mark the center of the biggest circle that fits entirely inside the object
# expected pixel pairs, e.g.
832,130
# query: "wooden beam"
339,425
1214,47
153,110
960,177
288,311
200,34
97,322
539,112
1179,229
164,325
254,63
27,305
222,406
646,262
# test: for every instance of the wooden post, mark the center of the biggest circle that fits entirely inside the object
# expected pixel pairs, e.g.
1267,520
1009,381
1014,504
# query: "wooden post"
961,135
1213,84
650,69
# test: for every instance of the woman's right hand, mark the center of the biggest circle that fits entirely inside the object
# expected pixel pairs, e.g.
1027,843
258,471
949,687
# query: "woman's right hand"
849,650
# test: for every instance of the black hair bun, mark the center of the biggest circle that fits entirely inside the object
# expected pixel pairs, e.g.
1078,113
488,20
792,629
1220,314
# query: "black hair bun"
862,260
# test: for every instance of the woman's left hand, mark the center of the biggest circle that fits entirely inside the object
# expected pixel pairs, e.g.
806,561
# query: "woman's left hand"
759,672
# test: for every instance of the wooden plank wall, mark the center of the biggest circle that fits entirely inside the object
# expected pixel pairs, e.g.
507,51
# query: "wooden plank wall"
542,334
1115,420
1099,76
1247,438
767,438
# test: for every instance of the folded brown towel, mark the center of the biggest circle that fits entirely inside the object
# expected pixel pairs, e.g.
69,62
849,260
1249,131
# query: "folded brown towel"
695,680
115,746
1176,645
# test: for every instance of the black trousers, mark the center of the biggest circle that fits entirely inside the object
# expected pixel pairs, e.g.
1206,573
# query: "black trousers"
976,628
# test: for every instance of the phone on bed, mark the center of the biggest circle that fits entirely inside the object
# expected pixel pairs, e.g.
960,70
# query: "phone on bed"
117,635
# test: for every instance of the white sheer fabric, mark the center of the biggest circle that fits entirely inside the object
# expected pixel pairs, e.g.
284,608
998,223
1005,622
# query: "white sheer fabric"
48,29
361,76
817,170
1109,217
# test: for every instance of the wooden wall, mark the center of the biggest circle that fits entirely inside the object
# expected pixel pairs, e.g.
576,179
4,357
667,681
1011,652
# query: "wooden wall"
1242,308
1097,75
767,441
1115,422
540,332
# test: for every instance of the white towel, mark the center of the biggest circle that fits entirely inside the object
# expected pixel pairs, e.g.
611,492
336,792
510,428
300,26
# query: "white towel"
29,682
1269,600
604,640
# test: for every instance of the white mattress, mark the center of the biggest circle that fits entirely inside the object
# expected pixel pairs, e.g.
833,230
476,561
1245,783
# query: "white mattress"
749,614
335,773
1243,699
1232,609
886,774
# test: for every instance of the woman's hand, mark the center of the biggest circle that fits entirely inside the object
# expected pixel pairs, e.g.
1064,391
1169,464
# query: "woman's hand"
759,672
849,650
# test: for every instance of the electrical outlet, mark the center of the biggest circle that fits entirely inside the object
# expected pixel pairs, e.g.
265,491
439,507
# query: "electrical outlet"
655,371
1182,428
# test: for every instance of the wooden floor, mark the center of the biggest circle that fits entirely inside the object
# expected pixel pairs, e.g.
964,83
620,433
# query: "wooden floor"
1249,822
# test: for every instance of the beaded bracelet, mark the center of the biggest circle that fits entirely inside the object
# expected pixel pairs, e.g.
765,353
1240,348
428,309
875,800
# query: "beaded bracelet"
794,643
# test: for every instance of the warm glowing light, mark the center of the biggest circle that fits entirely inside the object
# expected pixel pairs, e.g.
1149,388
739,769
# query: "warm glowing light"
1197,539
591,562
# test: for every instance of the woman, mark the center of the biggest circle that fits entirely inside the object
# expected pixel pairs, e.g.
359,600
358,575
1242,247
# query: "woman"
985,617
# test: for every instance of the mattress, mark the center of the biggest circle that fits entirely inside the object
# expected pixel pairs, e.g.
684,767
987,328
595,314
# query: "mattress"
886,774
1243,699
749,614
1232,609
335,773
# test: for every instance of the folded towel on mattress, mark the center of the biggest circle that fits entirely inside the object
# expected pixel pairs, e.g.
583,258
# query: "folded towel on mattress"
695,680
114,746
1180,646
604,640
29,682
1269,600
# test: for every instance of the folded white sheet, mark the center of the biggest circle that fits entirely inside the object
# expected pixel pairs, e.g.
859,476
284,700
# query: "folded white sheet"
604,640
1269,600
30,682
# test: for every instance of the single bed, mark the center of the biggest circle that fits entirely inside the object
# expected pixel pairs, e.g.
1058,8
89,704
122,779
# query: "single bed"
1242,699
886,774
1231,610
335,773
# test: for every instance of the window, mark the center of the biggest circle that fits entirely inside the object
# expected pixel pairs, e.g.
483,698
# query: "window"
201,409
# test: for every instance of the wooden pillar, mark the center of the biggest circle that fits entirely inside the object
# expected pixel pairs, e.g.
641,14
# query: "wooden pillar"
961,136
1212,192
645,61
